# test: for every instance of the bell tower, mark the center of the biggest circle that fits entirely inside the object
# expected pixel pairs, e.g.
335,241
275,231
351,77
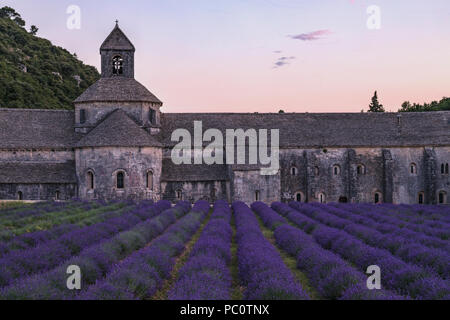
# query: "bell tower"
117,54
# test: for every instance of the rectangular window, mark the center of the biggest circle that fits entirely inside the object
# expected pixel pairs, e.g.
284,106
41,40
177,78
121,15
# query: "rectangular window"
82,116
152,116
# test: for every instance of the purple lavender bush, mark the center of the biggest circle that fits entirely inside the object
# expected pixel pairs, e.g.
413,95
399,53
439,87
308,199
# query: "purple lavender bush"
261,268
95,262
143,273
206,275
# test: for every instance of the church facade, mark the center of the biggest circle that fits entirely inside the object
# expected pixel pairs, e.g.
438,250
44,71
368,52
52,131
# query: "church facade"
117,144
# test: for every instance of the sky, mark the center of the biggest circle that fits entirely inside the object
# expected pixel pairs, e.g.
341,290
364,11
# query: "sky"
266,55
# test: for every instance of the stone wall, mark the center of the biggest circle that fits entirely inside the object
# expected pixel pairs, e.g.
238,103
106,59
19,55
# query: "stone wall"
196,190
245,184
38,191
37,155
105,163
96,112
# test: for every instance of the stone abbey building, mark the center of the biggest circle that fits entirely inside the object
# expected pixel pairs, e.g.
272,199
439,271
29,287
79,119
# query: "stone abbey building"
116,144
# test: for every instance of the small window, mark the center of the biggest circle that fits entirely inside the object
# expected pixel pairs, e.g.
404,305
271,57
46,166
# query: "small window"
82,116
213,193
19,195
343,199
442,197
442,168
294,171
179,195
150,180
421,198
336,170
57,195
377,198
152,116
446,168
257,196
413,169
316,171
117,65
361,169
120,180
321,198
90,180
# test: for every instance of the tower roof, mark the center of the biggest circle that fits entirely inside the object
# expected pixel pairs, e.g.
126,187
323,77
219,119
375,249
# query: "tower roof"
117,89
118,130
117,40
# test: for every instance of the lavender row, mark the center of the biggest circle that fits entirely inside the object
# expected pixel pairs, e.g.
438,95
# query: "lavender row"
38,208
331,276
386,225
47,222
95,262
261,268
33,239
417,212
440,232
143,273
206,275
403,278
48,255
402,247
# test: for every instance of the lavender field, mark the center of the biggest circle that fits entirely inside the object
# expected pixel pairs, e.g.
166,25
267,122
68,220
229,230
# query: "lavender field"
160,251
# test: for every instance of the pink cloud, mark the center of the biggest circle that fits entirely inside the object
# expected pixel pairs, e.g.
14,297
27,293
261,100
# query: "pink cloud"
311,36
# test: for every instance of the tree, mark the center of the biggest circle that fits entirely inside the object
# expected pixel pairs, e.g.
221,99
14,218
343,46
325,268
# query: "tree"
34,30
375,106
281,111
8,12
444,104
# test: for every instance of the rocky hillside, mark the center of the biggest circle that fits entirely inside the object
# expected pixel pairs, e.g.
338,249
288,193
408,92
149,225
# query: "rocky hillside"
33,72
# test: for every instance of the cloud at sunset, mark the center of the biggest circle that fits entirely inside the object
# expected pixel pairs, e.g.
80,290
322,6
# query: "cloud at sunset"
283,61
311,36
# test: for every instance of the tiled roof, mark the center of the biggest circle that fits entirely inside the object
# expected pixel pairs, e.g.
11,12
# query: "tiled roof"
118,130
117,89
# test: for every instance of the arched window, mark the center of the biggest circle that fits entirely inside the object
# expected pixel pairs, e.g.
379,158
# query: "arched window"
421,198
442,197
150,180
90,180
213,193
360,169
294,171
316,171
377,197
117,65
446,168
19,195
57,195
257,196
413,169
120,180
299,197
336,170
179,195
321,197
